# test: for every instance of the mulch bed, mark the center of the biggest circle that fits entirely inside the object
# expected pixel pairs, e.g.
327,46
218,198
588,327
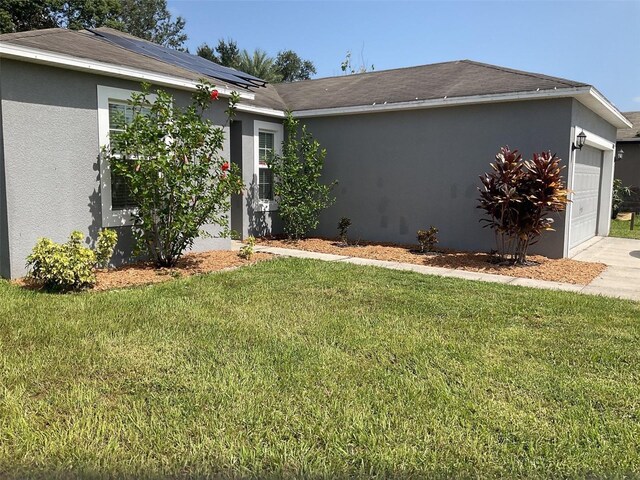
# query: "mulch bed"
541,268
146,273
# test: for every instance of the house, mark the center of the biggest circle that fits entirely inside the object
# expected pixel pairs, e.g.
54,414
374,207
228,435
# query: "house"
406,145
628,166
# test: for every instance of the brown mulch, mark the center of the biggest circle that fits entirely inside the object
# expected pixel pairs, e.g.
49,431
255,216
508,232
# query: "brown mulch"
146,274
541,268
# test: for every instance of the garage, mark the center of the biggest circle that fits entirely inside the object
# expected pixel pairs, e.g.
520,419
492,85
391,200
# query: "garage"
587,184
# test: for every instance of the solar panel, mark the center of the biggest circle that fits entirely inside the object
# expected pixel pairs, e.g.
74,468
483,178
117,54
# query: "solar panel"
185,60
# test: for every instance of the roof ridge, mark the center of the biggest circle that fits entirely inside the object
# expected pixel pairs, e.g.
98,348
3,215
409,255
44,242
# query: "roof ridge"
565,81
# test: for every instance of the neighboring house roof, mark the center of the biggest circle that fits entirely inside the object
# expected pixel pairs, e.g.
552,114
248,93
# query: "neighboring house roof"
441,84
630,134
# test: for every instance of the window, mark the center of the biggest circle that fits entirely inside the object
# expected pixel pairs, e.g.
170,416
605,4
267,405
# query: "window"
268,142
114,112
120,115
265,175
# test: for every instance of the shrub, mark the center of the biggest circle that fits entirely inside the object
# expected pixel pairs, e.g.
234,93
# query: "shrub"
517,196
171,158
620,193
246,251
428,239
343,227
71,265
297,188
107,240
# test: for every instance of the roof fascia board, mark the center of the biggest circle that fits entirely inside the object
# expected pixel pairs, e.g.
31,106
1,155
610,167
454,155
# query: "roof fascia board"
75,63
589,96
269,112
622,121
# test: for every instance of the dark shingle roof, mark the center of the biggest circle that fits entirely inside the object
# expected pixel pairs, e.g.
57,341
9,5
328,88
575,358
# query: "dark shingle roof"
630,134
451,79
463,78
87,45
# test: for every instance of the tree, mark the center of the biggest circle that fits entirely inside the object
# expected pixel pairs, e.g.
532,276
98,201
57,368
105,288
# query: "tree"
348,68
297,189
171,158
21,15
151,20
290,67
259,64
148,19
227,51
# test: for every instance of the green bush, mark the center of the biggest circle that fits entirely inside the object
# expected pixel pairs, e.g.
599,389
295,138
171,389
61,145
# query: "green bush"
343,228
70,265
298,190
427,239
171,158
107,240
247,250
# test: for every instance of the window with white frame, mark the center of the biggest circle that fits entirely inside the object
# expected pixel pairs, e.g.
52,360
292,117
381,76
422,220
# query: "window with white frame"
268,142
114,113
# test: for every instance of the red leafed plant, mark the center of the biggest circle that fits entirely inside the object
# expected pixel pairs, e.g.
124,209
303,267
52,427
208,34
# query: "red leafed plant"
517,197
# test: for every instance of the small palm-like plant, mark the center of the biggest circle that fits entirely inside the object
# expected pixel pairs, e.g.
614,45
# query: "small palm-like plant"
517,196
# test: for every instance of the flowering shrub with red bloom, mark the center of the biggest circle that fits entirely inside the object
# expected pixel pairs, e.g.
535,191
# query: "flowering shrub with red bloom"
171,159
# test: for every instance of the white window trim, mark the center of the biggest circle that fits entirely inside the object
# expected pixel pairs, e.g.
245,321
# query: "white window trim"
278,136
111,217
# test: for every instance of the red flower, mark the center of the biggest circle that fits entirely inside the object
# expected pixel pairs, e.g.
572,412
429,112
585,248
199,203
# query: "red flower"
225,166
214,94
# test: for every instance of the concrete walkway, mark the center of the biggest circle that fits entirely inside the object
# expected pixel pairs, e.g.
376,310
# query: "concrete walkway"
622,257
603,285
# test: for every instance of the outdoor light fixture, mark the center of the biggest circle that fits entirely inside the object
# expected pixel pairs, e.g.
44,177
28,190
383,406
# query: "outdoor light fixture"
582,137
619,155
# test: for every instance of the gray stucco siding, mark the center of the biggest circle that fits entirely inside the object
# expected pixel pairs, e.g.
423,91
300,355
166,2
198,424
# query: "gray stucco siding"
51,157
402,171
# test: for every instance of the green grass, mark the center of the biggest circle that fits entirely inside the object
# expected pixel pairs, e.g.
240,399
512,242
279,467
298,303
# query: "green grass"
621,228
297,368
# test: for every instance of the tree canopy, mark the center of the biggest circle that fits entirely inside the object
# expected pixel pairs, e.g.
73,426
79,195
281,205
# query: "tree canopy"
287,66
148,19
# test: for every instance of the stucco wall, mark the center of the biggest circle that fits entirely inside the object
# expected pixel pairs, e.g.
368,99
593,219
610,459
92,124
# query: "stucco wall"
51,146
4,233
402,171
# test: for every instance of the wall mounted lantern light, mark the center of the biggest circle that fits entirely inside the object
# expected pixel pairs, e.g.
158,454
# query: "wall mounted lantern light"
619,155
581,138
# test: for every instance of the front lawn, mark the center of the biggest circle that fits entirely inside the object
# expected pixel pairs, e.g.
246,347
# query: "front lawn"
306,368
621,228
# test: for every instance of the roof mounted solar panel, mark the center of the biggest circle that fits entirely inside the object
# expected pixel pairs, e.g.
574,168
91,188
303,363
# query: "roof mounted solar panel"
181,59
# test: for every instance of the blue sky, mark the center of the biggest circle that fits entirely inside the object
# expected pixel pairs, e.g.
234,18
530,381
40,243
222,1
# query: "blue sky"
588,41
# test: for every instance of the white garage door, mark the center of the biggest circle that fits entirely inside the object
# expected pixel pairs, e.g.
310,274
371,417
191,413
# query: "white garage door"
587,180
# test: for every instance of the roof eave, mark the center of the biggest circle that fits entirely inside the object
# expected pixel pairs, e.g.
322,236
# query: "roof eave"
33,55
598,103
585,94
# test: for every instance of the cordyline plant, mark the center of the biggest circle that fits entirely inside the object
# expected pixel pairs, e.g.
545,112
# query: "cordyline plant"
297,187
178,179
517,196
